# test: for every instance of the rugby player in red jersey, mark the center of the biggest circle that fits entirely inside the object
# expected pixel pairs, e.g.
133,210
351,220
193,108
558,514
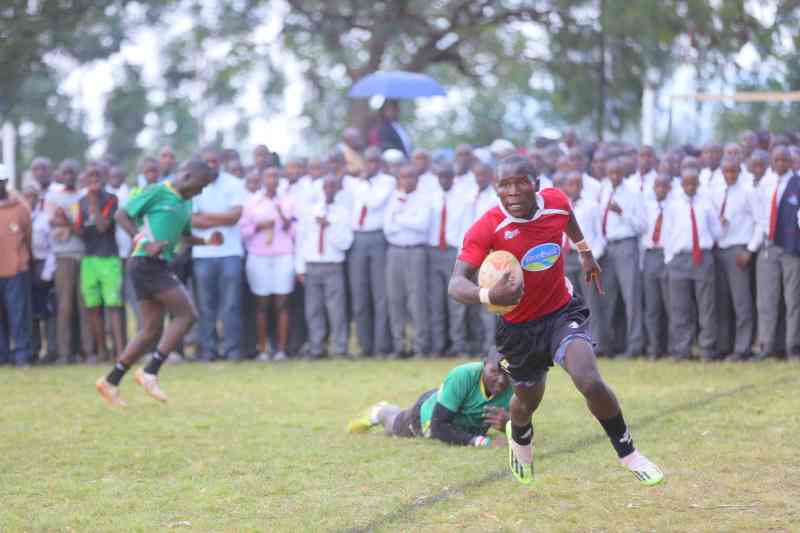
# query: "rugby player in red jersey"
548,324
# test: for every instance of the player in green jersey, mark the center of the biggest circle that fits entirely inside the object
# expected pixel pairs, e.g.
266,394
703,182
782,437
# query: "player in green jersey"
472,398
158,219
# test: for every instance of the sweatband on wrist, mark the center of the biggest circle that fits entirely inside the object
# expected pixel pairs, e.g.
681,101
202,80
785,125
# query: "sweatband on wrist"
583,246
483,296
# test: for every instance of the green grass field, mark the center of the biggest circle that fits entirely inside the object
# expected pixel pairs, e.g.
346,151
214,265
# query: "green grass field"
262,447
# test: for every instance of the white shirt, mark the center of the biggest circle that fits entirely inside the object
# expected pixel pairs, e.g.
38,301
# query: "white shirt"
762,205
346,192
466,183
652,208
709,178
592,188
459,216
739,214
677,229
484,200
631,222
407,219
219,196
337,238
372,193
301,193
589,217
545,182
641,183
124,241
429,183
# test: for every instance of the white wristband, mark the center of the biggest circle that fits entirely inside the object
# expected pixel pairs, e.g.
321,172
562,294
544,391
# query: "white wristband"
483,296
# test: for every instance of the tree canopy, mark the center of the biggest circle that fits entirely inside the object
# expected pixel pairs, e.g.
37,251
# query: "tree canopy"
515,65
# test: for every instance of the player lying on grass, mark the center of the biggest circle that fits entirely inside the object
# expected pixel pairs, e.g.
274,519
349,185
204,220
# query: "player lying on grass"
158,218
548,324
472,398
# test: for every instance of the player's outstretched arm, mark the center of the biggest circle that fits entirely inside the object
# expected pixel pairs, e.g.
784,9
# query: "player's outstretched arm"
463,289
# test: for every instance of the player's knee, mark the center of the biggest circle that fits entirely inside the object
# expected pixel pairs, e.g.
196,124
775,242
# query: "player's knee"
591,385
151,333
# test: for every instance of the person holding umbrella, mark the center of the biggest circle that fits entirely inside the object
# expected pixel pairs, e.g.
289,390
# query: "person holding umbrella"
388,133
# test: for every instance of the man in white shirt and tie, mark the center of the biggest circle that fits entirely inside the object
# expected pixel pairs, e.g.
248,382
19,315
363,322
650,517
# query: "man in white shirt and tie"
367,261
642,180
778,266
452,215
691,226
587,212
656,286
324,234
734,201
465,179
711,172
407,222
622,223
480,321
592,188
427,182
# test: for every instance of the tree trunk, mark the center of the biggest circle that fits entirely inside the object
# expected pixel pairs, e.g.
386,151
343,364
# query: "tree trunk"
359,115
601,71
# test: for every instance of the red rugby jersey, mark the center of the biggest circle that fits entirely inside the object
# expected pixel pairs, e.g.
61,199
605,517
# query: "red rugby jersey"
536,244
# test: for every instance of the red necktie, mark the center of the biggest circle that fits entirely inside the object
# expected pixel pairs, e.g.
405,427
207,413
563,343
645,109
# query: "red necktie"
773,213
362,216
443,227
605,215
321,244
657,228
697,253
724,203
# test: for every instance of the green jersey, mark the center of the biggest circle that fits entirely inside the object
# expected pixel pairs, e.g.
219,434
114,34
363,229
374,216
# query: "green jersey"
462,392
162,215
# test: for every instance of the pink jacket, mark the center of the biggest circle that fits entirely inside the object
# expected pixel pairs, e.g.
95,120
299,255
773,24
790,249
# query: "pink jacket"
277,241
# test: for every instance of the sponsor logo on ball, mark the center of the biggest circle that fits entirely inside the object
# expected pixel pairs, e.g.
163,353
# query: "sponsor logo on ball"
541,257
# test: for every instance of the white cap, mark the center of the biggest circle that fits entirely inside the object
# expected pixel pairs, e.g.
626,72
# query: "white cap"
501,147
393,156
3,173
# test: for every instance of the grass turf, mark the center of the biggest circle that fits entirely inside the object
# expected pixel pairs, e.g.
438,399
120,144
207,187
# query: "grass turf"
262,447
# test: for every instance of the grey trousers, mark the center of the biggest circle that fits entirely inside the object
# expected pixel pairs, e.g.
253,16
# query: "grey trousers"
407,292
325,295
734,303
778,273
447,316
622,279
572,268
479,339
691,288
656,302
367,273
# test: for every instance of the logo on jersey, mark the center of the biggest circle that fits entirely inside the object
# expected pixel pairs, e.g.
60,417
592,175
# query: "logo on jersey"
510,234
541,257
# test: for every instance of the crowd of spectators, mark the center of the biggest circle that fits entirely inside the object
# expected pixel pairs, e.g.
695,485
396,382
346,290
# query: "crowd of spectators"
699,246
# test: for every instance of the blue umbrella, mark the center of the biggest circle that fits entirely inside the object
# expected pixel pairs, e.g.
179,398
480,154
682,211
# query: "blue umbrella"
396,85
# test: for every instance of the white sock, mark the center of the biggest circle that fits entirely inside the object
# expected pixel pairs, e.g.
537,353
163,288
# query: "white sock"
524,454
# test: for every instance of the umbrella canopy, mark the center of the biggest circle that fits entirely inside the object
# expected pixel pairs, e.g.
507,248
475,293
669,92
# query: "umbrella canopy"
396,85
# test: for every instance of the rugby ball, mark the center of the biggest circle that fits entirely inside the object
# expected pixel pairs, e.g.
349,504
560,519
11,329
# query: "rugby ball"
494,266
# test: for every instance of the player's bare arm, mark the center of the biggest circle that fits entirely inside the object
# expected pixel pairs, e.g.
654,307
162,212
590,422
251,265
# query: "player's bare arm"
588,263
463,288
125,222
215,239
